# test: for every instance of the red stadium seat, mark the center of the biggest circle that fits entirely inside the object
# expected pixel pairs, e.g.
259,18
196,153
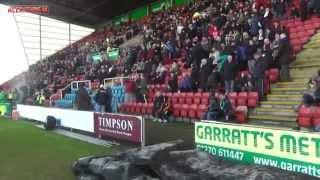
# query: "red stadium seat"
184,110
138,108
253,99
189,98
316,116
233,98
132,108
144,108
242,99
149,108
274,75
192,113
201,110
205,98
304,117
176,110
241,116
181,98
174,99
169,96
197,98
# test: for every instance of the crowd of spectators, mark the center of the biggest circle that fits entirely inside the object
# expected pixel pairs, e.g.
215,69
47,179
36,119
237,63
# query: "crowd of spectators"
207,44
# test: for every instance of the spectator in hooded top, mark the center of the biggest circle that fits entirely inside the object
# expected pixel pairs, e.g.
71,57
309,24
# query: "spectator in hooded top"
83,100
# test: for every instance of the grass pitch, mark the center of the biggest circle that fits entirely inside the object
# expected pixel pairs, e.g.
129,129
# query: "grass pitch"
30,153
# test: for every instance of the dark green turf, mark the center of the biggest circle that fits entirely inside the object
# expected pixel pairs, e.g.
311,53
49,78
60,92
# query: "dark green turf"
30,153
157,133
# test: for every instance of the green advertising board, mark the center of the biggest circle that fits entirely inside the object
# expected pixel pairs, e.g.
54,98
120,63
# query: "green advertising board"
113,54
284,149
161,5
139,13
5,109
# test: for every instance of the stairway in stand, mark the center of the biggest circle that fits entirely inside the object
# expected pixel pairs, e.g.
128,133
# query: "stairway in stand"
278,110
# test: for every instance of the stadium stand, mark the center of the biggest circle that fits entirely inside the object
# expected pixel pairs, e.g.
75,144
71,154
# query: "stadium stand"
180,49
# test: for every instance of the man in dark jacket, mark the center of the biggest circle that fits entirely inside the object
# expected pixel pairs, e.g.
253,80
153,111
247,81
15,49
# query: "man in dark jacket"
213,80
197,54
83,100
229,75
141,89
101,99
259,73
214,110
205,69
284,57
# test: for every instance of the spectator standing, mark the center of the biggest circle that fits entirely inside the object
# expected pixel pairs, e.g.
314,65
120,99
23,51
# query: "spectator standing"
101,99
213,80
284,57
129,91
173,83
205,69
83,100
229,75
259,74
142,89
158,111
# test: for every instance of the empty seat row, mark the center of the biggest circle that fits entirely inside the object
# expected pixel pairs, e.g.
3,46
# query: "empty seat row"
249,99
308,116
185,98
136,108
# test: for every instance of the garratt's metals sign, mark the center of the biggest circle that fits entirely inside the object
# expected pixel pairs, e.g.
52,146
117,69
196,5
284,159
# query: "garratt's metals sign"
288,150
121,127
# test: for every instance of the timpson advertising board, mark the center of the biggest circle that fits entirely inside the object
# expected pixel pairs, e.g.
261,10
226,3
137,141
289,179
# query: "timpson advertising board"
120,127
284,149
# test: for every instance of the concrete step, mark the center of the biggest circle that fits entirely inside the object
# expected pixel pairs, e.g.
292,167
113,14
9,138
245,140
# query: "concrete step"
272,118
283,102
282,97
309,65
305,61
306,75
274,112
290,90
289,84
274,124
278,106
308,54
305,79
